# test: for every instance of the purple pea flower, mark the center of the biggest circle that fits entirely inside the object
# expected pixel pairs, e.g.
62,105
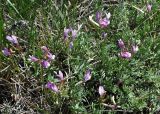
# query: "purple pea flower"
6,52
33,58
134,48
121,44
12,39
52,86
125,54
87,75
149,7
60,75
45,64
104,22
65,35
101,91
50,56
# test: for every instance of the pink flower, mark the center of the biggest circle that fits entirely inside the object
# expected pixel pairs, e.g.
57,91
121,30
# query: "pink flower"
33,58
6,52
134,48
50,56
87,75
149,7
104,22
12,39
125,54
60,75
101,91
52,86
121,44
45,64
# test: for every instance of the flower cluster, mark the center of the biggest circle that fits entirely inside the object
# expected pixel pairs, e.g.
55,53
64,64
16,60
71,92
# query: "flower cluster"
101,21
13,40
69,36
66,35
124,51
47,55
53,86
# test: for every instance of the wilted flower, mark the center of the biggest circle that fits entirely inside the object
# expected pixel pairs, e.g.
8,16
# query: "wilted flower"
50,56
12,39
33,58
101,91
125,54
52,86
66,31
45,64
149,7
6,52
60,75
87,75
121,44
45,49
134,48
104,22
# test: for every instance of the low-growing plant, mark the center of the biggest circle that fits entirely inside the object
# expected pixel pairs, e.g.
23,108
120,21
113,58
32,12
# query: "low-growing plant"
79,56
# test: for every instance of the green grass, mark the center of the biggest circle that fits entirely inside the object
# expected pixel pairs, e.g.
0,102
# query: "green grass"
133,82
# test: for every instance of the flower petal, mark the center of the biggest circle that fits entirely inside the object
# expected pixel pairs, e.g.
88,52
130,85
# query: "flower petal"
45,64
6,52
65,34
52,86
126,55
121,44
101,91
33,58
87,75
60,75
104,22
12,39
